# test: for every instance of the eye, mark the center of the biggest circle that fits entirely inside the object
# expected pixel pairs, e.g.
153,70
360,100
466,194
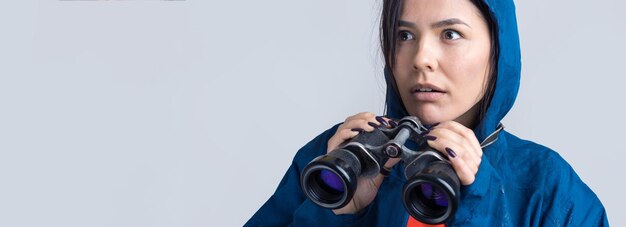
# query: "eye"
451,35
405,35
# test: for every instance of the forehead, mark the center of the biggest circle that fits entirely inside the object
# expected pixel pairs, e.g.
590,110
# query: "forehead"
427,11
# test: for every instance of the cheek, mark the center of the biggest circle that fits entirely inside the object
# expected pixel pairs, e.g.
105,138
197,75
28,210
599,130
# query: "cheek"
468,70
402,68
403,58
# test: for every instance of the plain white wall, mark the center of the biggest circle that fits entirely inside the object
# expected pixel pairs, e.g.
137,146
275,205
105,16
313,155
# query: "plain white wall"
188,113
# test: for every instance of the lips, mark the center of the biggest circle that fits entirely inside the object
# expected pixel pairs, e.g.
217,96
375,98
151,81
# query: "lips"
426,88
427,92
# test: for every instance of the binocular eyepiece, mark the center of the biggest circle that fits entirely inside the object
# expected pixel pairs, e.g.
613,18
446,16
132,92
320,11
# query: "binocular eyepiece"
430,193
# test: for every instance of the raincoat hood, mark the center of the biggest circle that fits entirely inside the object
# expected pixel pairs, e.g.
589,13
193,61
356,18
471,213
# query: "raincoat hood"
507,74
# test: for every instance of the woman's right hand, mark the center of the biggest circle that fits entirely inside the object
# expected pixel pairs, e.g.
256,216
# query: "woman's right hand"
366,187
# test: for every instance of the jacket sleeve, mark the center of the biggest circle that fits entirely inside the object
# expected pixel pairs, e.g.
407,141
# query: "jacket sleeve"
521,183
288,206
554,196
571,201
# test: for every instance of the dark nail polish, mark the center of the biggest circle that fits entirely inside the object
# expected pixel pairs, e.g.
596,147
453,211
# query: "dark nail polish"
357,130
382,121
429,137
393,123
424,132
451,152
373,125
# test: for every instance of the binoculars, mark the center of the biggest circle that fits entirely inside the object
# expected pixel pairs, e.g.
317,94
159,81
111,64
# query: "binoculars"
430,193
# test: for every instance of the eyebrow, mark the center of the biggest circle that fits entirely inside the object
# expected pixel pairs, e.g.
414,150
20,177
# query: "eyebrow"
439,24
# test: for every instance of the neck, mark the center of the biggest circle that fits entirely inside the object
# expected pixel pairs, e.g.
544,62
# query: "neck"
469,118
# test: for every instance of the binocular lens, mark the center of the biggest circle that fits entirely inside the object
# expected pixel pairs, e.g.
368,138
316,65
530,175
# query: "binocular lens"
331,180
325,187
428,202
433,197
432,201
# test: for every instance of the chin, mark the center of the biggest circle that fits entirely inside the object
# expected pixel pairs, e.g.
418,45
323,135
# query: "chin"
427,118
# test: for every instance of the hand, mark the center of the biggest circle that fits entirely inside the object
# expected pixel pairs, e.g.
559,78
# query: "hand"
460,145
366,187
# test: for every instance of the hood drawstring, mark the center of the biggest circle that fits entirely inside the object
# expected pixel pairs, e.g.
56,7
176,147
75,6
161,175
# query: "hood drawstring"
493,137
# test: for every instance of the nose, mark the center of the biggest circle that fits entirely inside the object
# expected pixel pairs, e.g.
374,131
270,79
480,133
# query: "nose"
425,58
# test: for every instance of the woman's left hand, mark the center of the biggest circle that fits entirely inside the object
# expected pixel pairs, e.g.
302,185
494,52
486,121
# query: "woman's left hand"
460,145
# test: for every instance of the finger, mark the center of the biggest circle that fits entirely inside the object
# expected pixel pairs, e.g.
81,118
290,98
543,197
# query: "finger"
375,121
358,123
457,151
462,161
465,132
362,115
391,123
458,134
438,138
340,136
383,121
358,120
351,127
369,122
464,170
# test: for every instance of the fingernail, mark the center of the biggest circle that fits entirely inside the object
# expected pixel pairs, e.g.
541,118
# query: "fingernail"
373,125
424,132
429,137
357,130
432,126
393,123
382,121
451,152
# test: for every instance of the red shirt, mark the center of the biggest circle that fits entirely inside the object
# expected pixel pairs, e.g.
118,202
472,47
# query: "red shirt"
415,223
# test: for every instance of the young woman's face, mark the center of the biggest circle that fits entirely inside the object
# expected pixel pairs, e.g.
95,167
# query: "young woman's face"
442,59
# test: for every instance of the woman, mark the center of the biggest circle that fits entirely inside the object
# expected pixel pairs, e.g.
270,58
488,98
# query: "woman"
454,64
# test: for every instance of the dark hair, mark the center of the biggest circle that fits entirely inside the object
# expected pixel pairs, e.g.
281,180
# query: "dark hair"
392,9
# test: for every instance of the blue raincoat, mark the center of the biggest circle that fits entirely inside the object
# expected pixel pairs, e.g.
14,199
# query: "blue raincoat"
519,183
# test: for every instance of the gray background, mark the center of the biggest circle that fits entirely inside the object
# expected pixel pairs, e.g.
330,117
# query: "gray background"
188,113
